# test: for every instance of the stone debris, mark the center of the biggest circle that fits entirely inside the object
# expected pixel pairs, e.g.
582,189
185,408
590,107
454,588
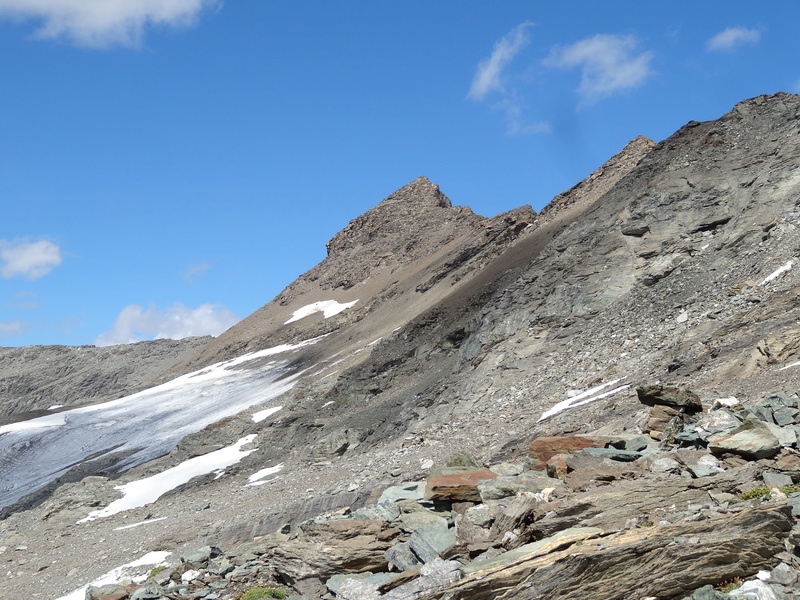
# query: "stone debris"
659,521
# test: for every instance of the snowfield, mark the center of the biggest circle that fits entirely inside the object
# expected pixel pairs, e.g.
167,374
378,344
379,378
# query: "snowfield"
137,428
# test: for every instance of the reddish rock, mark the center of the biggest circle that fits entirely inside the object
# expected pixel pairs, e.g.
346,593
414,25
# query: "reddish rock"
543,449
458,487
659,418
557,466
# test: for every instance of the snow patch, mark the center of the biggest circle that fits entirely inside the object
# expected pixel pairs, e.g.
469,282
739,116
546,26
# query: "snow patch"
328,308
38,423
132,525
589,395
113,576
258,475
144,491
263,414
773,276
794,364
55,406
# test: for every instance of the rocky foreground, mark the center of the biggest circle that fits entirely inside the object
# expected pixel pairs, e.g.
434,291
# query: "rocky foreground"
704,499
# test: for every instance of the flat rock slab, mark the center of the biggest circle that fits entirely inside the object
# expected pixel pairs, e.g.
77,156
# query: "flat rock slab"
752,440
458,487
676,397
543,449
664,562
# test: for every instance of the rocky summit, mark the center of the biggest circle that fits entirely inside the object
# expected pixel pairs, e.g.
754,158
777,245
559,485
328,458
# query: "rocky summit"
596,401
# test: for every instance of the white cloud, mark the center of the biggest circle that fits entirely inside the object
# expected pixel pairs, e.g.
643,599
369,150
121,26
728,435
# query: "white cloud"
30,260
489,76
12,328
515,120
608,63
135,324
194,271
733,37
103,23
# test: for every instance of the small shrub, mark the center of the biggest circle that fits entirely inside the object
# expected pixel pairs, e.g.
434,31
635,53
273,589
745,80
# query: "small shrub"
261,592
156,570
761,491
579,543
646,523
788,489
729,586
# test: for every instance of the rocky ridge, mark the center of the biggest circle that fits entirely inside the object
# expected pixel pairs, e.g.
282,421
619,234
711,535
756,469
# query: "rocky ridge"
35,378
671,264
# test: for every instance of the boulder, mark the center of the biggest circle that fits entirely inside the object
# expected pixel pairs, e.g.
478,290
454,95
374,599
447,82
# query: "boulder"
676,397
328,548
112,591
542,449
428,543
668,561
658,420
752,440
461,486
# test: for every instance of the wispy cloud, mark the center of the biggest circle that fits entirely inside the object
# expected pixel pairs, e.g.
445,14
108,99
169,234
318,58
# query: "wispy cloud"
733,37
492,81
103,23
135,324
11,328
194,271
608,64
30,260
489,75
25,300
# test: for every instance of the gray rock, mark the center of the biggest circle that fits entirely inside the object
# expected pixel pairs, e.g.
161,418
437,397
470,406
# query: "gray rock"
506,469
786,436
354,589
676,397
401,556
665,464
479,515
407,491
705,466
752,439
757,590
612,454
428,543
387,511
199,558
372,579
783,574
104,591
433,577
785,415
503,487
776,479
707,592
149,591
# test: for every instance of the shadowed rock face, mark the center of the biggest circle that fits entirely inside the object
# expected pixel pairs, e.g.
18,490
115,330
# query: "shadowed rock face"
672,264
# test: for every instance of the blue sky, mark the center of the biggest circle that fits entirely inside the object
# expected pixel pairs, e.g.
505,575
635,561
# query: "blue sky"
168,166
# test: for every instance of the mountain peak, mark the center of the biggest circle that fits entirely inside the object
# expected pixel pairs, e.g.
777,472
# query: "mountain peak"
415,207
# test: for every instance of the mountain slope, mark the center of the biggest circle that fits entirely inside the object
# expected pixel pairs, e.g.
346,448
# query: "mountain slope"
436,331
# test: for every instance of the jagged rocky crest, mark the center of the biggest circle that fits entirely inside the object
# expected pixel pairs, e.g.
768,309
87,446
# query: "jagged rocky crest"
673,264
